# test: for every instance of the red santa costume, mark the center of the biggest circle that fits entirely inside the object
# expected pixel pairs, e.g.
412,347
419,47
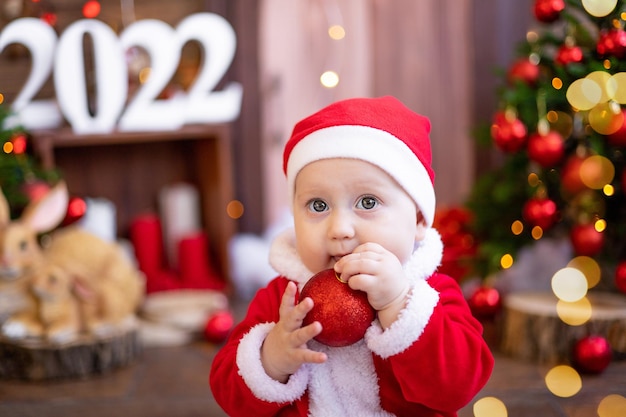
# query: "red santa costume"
430,362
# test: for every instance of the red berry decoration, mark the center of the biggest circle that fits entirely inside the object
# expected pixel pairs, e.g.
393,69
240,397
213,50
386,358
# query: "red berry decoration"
523,70
568,55
592,354
586,240
508,133
548,11
219,326
547,150
612,42
618,138
485,302
344,313
540,212
620,276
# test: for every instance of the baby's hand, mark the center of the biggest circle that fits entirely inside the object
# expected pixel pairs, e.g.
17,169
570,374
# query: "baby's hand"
284,349
378,272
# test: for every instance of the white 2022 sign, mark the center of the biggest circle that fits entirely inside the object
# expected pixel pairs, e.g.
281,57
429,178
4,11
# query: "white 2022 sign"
63,57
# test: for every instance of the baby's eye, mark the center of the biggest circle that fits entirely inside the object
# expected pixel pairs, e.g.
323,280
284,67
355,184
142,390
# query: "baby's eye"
367,203
318,206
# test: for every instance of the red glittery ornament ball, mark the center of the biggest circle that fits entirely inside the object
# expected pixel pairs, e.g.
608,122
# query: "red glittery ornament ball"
548,11
344,313
586,240
540,212
219,326
508,132
523,70
620,276
612,42
547,150
568,54
485,303
592,354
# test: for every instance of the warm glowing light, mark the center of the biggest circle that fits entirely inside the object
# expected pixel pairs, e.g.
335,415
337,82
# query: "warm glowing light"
532,36
557,83
606,64
589,267
91,9
600,225
583,94
569,284
489,407
576,313
602,79
329,79
235,209
7,147
612,406
1,98
336,32
506,261
517,227
563,381
144,74
617,87
606,118
597,171
599,8
533,179
608,190
536,232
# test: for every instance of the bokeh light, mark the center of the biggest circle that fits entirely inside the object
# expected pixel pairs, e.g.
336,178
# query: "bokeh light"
617,87
235,209
612,406
1,98
506,261
489,407
589,267
576,313
599,8
517,227
336,32
606,118
563,381
329,79
600,225
7,147
536,232
569,284
583,94
91,9
596,171
557,83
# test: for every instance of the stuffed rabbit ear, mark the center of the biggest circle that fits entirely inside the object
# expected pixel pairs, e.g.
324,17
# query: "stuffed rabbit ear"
5,214
48,212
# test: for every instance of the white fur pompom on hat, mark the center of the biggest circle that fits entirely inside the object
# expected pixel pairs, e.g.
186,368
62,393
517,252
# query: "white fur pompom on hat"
381,131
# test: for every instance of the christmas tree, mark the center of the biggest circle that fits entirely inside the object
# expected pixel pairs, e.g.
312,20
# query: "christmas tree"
22,178
561,130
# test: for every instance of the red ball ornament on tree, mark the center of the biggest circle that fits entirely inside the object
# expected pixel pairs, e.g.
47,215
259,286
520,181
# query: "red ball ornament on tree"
485,303
612,42
592,354
620,276
344,313
586,240
567,54
76,209
540,212
218,326
547,150
523,70
548,11
508,132
571,180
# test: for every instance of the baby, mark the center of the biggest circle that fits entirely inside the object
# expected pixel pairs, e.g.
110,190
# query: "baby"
362,191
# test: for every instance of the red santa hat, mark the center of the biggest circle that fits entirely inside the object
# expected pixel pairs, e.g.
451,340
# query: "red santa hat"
381,131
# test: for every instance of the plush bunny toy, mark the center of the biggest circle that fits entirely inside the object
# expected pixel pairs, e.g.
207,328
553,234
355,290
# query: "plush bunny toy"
75,283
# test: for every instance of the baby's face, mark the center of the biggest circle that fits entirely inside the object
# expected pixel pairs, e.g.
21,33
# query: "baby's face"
342,203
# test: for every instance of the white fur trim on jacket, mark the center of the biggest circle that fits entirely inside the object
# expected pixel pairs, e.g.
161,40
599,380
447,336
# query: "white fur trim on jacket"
252,371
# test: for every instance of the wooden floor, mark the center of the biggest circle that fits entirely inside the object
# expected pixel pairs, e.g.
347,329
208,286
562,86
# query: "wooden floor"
173,382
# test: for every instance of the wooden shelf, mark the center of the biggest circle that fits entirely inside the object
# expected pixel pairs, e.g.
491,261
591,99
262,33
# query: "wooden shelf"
129,168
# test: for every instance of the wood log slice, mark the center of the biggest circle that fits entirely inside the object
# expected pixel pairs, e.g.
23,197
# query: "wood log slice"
38,360
533,331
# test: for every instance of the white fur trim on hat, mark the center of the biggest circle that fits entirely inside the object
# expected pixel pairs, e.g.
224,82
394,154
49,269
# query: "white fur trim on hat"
372,145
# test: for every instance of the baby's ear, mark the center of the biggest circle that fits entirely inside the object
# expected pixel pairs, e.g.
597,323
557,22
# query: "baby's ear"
420,227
